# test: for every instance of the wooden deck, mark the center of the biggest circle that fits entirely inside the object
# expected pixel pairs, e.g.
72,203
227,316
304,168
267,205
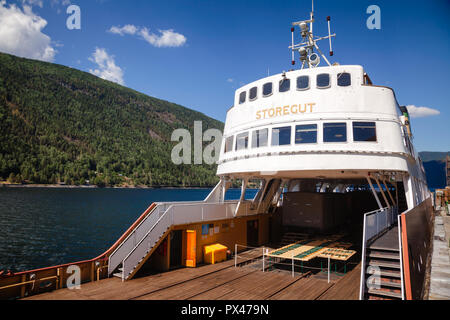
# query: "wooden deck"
220,281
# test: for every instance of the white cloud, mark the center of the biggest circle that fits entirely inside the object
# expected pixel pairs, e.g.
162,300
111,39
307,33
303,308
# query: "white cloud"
33,3
230,80
127,29
420,112
21,33
166,38
107,68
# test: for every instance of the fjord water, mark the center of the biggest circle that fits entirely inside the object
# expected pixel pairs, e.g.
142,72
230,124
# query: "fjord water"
41,227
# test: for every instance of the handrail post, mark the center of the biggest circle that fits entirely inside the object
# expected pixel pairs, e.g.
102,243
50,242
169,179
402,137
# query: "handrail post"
235,255
363,258
123,270
328,269
263,260
293,265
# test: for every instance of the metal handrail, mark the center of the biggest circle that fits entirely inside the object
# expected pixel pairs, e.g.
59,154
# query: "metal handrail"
400,247
170,211
113,262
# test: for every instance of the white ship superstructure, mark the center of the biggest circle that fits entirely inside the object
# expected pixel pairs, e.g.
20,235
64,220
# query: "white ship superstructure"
318,123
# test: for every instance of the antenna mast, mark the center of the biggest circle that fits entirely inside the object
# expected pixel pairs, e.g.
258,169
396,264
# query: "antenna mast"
308,44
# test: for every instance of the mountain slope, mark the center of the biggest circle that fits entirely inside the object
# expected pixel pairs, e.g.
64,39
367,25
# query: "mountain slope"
59,124
434,165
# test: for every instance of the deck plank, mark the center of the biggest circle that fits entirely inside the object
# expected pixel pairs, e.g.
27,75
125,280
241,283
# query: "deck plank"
346,288
306,289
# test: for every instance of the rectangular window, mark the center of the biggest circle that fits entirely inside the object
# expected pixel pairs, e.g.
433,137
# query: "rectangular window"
252,93
259,138
242,141
323,80
285,85
364,131
229,144
306,133
335,132
303,83
344,79
242,97
281,136
267,89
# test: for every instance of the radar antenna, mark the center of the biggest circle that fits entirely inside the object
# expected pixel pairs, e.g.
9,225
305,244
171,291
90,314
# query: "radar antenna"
306,48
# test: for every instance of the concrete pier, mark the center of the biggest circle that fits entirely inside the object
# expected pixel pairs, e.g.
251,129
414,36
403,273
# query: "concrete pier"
440,262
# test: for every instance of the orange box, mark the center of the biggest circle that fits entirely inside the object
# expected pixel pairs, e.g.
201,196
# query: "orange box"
214,253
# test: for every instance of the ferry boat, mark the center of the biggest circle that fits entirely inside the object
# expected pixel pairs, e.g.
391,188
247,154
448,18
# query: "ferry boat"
338,179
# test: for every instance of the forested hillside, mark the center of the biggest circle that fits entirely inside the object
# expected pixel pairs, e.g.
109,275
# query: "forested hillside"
434,165
61,125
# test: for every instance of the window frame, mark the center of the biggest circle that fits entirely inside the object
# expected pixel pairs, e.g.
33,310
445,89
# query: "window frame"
282,81
329,81
271,89
245,134
338,77
369,141
245,96
225,150
309,83
249,94
254,134
304,125
331,123
280,145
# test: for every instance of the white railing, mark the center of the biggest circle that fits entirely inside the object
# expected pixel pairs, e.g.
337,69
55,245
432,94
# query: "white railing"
400,248
176,214
135,236
375,222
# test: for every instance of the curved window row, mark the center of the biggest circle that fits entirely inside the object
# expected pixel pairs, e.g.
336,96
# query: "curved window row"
323,81
303,134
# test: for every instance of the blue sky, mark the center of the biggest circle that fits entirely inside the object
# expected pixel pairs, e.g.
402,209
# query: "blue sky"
196,53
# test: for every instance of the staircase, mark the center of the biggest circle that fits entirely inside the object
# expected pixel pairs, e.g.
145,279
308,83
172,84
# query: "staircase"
388,262
131,271
143,250
120,273
383,254
138,246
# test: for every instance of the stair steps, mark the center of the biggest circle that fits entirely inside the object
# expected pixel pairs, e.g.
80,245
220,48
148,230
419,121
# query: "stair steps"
385,264
385,293
388,261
